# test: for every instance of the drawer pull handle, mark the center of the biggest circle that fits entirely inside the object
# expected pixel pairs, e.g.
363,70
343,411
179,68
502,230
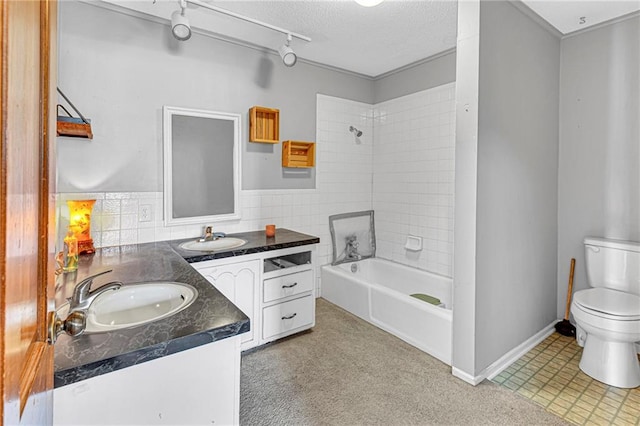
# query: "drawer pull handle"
286,317
290,285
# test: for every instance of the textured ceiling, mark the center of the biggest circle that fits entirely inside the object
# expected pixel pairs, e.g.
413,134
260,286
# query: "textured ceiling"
368,41
568,16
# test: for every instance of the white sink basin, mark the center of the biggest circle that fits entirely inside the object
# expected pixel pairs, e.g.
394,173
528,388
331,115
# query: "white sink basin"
225,243
136,304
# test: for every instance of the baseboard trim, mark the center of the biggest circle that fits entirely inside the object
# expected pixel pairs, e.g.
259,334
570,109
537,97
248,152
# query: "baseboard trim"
507,359
472,380
510,357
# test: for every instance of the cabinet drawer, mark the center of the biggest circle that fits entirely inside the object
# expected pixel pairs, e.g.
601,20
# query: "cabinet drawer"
287,285
287,316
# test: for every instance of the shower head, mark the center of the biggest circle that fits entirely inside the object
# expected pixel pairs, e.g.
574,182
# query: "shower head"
357,132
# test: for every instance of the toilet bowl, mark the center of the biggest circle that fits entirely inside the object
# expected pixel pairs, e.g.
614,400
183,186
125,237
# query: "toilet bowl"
610,320
607,315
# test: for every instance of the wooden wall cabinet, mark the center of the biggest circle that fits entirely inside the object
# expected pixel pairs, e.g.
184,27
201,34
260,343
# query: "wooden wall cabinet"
264,125
298,154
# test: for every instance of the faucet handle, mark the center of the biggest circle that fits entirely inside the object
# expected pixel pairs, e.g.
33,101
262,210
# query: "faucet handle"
83,287
90,278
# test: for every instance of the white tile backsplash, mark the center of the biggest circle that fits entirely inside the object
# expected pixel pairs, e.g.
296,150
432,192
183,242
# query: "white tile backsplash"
401,166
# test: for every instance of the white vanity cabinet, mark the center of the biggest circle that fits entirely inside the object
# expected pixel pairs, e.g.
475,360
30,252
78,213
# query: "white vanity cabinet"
275,289
239,282
288,296
194,387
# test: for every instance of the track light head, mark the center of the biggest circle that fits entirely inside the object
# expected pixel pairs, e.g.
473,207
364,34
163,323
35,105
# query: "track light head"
180,25
289,58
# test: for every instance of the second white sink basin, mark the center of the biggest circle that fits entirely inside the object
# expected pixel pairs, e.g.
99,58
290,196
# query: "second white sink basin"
136,304
225,243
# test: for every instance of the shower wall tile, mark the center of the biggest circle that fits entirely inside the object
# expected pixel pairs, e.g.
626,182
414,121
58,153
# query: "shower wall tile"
344,165
413,177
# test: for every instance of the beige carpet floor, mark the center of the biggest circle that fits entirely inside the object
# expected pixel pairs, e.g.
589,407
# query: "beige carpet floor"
348,372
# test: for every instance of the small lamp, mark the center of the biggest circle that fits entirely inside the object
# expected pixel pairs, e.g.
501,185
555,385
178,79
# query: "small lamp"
80,223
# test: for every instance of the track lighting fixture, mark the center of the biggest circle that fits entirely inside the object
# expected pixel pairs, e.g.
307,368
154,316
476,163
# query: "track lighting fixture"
289,58
180,24
182,30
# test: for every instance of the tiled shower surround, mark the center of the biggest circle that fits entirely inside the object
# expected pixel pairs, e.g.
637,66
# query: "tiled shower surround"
401,166
413,177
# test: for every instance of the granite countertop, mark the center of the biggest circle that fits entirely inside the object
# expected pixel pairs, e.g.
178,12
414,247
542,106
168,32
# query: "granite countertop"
211,317
257,242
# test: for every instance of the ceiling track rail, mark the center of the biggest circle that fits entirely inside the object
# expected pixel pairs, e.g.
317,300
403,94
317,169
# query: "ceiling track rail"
248,19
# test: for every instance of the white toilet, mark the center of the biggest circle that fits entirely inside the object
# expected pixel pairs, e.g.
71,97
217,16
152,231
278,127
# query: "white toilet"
607,315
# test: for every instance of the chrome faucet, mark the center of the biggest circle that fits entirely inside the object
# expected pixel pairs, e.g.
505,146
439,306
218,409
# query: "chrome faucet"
209,235
83,296
351,250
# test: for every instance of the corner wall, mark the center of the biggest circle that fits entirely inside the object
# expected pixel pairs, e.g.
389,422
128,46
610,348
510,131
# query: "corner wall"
508,226
517,180
599,177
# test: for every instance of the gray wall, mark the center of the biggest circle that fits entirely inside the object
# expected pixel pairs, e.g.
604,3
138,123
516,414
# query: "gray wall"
599,176
516,199
440,69
119,71
517,180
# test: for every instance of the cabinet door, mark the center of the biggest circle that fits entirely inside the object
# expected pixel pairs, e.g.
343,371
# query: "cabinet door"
239,283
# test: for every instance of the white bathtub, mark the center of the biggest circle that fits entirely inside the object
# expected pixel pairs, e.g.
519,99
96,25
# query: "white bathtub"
378,292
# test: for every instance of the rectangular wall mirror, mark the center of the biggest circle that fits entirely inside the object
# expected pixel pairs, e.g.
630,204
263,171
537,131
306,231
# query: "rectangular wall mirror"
201,166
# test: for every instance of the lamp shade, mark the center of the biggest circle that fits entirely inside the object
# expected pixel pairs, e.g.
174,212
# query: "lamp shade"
80,223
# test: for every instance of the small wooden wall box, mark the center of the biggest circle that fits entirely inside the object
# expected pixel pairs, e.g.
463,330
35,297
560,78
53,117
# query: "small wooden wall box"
264,125
74,127
298,154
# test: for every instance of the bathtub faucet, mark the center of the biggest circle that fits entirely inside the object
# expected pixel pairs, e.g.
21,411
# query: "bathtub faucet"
351,250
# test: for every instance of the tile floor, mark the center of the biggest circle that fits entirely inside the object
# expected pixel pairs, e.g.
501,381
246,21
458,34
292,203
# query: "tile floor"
550,376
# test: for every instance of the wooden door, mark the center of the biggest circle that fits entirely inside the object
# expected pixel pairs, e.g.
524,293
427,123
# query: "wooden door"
26,209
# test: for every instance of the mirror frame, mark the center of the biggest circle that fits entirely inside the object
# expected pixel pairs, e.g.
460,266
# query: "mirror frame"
168,113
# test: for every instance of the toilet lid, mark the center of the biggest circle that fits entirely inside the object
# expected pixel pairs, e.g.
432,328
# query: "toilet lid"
610,302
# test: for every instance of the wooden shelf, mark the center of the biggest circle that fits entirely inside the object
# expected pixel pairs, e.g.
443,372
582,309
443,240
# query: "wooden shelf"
264,125
298,154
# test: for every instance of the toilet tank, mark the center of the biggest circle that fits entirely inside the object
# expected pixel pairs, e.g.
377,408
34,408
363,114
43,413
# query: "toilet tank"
613,264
